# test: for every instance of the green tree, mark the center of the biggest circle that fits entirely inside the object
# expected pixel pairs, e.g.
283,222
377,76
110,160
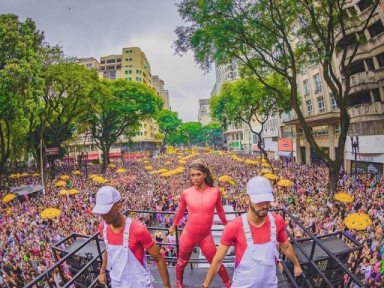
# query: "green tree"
20,76
193,131
169,124
245,101
212,134
64,101
262,36
116,109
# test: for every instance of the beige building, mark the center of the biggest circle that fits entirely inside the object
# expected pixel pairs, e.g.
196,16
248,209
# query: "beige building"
158,84
204,116
365,100
131,65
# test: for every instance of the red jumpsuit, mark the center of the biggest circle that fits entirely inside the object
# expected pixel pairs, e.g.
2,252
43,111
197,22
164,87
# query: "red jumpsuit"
201,208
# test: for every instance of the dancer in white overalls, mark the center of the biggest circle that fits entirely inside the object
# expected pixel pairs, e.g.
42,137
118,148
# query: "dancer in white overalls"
124,261
125,270
256,249
257,267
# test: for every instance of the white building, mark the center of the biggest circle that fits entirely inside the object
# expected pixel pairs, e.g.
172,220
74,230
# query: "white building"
204,112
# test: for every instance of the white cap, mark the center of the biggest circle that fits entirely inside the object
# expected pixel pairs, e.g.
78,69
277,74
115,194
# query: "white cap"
259,190
105,198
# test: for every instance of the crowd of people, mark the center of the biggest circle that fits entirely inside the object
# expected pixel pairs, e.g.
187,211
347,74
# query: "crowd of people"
26,238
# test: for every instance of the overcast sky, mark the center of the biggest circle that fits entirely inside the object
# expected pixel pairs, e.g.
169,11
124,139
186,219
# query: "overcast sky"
95,28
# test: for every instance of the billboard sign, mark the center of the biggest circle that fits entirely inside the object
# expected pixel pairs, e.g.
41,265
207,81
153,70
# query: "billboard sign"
52,151
285,144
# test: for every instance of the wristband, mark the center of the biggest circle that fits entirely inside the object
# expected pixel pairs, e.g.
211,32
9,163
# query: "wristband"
103,271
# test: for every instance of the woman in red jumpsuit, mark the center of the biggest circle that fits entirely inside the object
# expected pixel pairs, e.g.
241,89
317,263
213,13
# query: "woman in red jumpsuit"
202,199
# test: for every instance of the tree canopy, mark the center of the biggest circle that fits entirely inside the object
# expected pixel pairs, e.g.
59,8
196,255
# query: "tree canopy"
116,109
278,37
169,124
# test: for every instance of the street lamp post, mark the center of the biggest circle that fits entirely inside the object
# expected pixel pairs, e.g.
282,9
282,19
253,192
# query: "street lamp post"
355,150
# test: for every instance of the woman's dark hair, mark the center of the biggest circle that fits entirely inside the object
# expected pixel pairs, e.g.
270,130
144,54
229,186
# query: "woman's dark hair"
199,165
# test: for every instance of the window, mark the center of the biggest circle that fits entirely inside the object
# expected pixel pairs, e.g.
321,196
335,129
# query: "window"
111,61
320,103
102,62
138,72
317,80
138,79
333,102
320,130
111,67
89,65
118,60
129,79
126,72
309,107
306,87
274,139
112,75
303,69
337,129
128,51
129,71
128,59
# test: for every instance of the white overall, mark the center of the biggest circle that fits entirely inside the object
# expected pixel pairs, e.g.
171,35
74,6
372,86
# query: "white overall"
257,268
124,269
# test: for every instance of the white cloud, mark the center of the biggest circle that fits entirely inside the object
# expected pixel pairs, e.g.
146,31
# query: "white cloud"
94,28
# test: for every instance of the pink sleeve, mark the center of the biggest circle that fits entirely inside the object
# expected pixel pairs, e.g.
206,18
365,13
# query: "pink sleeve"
229,234
220,209
181,211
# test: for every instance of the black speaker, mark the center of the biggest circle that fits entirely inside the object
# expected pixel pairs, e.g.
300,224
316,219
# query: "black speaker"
327,265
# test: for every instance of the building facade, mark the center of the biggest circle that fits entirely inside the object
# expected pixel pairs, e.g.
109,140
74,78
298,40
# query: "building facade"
131,65
204,116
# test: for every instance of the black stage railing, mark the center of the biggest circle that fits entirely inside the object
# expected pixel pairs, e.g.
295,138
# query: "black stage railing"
309,278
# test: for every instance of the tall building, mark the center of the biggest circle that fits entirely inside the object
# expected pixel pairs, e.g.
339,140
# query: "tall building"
366,97
131,65
204,116
365,100
158,84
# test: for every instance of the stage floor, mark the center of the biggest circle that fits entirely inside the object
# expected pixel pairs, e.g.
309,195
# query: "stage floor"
193,278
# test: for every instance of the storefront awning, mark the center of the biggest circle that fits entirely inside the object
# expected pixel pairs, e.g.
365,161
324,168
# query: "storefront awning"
284,154
92,157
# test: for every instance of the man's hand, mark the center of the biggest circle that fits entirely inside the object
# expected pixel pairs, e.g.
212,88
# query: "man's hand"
102,277
297,270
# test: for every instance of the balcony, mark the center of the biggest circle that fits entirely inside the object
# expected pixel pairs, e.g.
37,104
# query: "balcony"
363,49
366,80
366,109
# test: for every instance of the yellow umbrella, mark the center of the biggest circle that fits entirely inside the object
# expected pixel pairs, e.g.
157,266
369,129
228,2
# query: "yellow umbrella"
90,164
120,171
266,165
284,182
148,167
64,177
22,185
118,160
163,170
36,175
225,178
93,175
154,172
50,213
64,192
73,191
168,163
182,162
266,171
60,183
13,176
145,162
344,197
8,198
97,178
358,221
231,182
112,165
139,160
271,176
25,174
264,161
77,172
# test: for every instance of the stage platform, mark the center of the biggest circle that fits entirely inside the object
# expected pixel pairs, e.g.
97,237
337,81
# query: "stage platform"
193,278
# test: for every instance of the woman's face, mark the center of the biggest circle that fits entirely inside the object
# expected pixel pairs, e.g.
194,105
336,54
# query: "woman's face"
197,177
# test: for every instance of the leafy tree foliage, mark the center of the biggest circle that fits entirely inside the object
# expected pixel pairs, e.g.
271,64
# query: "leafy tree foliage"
169,124
116,109
278,37
212,134
193,131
